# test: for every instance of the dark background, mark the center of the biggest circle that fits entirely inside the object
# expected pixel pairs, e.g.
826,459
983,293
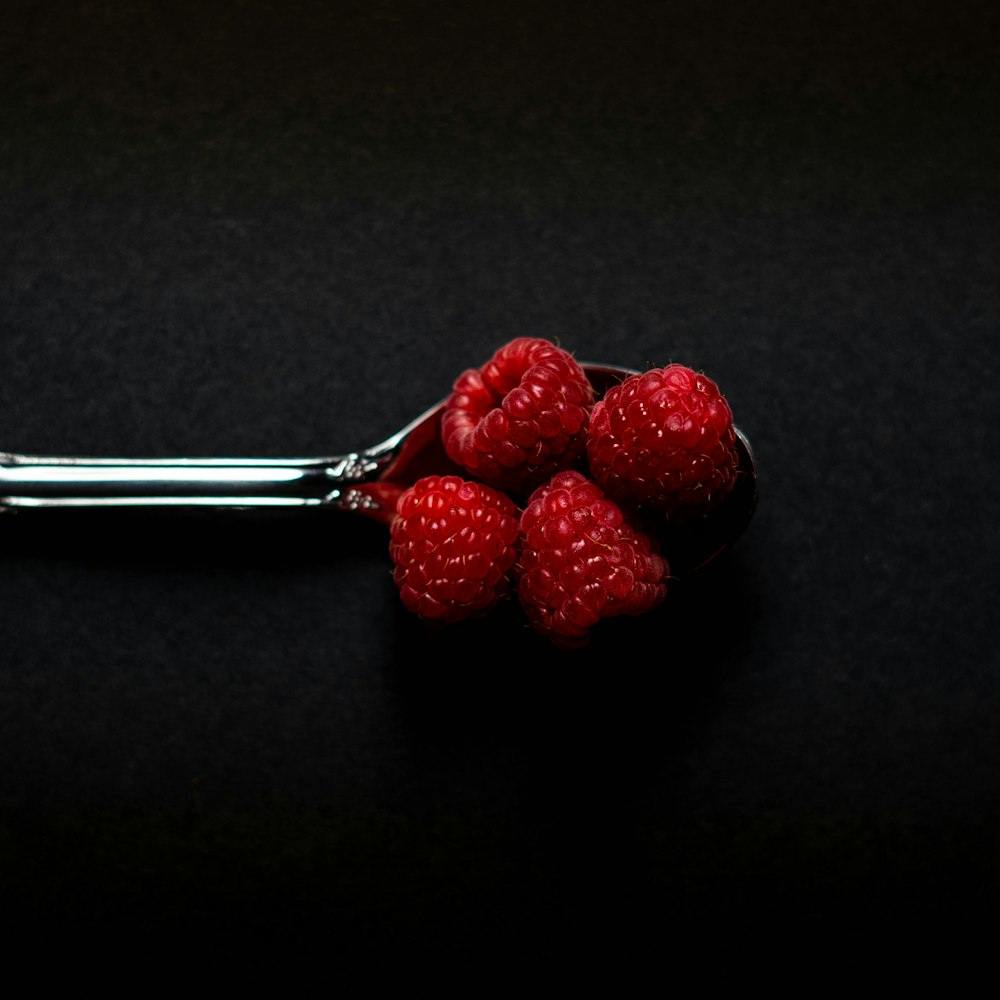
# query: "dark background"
283,229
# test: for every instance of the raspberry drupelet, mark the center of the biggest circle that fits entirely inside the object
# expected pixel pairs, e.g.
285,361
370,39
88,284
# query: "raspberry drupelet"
582,561
453,544
664,440
520,418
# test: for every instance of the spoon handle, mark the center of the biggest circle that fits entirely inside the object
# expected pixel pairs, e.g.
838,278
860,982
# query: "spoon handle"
28,481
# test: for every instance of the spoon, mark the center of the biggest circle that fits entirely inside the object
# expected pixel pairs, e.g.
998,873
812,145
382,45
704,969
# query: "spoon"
367,482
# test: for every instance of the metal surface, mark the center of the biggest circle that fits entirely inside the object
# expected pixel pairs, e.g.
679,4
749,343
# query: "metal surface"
32,481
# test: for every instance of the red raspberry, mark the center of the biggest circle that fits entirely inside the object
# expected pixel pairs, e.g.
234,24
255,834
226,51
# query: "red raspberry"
453,544
581,561
521,417
664,440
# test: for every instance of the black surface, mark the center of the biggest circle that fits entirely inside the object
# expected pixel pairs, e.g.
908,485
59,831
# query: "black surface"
280,229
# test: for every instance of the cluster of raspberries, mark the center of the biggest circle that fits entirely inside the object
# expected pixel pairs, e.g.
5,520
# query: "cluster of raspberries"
555,483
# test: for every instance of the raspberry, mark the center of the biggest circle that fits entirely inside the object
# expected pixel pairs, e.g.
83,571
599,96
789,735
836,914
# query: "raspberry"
453,544
582,561
664,440
520,418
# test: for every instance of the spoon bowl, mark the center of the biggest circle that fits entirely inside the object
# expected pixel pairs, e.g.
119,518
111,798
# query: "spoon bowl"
367,482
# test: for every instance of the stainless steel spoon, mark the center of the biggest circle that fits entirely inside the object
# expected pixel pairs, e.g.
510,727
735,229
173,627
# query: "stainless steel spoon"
367,482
